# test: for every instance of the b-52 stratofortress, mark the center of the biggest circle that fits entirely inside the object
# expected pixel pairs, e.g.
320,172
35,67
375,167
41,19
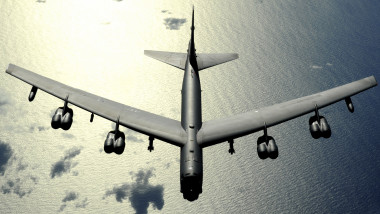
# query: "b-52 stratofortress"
191,134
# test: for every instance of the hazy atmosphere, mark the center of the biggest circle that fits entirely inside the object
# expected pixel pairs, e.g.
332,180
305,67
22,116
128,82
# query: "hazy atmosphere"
287,49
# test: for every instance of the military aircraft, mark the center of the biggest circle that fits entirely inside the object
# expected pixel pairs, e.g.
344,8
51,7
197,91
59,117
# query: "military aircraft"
191,134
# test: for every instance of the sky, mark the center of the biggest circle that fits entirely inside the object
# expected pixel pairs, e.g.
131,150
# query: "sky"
286,50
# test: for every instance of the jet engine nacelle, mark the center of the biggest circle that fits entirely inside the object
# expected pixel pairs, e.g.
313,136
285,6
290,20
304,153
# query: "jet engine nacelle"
321,129
266,147
115,142
62,119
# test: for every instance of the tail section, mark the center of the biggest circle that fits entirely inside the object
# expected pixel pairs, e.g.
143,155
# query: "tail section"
191,50
192,30
198,61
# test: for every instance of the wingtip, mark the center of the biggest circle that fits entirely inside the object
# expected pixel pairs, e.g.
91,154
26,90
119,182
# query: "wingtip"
148,52
375,81
9,69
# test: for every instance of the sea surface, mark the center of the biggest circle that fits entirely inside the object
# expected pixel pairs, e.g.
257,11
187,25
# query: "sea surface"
287,49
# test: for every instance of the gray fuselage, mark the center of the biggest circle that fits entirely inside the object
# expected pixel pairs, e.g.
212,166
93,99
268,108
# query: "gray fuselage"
191,168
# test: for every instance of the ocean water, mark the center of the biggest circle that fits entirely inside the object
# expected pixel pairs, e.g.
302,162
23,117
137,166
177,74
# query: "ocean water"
287,49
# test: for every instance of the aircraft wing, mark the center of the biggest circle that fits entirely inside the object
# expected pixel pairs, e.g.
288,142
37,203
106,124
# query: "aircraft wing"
159,127
220,130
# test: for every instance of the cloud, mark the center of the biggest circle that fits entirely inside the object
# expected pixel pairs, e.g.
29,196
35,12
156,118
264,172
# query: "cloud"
34,179
134,139
67,135
82,204
21,166
167,165
22,185
15,187
65,164
166,11
174,23
62,207
70,196
121,192
5,100
41,128
130,135
5,154
140,193
316,67
38,128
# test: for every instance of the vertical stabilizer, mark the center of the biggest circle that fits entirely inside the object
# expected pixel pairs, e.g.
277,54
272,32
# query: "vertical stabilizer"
192,54
192,25
192,47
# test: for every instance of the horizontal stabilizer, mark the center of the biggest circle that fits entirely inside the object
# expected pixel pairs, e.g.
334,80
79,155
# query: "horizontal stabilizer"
177,60
206,60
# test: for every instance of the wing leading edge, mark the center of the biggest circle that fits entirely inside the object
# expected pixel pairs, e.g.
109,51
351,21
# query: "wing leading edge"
220,130
159,127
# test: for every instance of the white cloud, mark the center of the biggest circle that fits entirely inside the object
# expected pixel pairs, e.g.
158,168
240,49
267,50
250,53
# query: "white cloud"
316,67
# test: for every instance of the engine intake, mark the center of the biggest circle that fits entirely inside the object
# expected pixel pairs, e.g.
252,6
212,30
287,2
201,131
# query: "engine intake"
115,141
266,146
62,118
319,126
